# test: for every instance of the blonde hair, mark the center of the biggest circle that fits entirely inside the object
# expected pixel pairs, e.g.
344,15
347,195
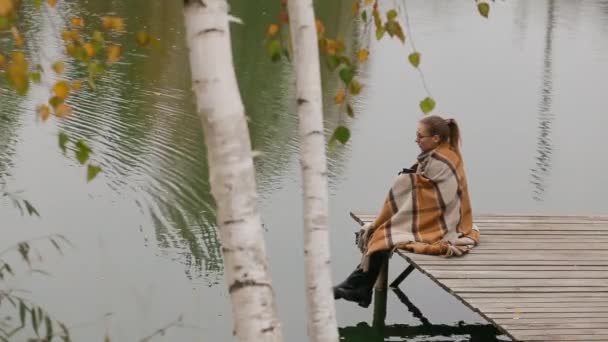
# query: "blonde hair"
446,129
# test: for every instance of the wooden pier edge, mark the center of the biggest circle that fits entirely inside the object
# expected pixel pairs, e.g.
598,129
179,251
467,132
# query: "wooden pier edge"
460,299
520,304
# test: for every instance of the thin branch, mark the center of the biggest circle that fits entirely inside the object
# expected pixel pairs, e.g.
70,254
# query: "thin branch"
411,41
161,331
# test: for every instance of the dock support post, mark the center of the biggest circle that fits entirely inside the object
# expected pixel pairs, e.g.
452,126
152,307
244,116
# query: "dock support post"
380,295
401,277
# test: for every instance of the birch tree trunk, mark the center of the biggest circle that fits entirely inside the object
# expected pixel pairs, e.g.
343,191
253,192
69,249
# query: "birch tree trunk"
322,324
231,171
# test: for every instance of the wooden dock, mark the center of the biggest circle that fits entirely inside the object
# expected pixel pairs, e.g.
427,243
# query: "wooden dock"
536,278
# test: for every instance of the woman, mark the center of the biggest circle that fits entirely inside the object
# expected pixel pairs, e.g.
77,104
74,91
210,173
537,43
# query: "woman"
427,210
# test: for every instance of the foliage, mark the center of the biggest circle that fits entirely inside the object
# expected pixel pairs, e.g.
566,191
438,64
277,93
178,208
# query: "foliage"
92,47
389,23
30,314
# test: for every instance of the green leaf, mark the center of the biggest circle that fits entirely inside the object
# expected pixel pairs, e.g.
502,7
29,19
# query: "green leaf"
274,50
35,77
66,332
355,87
394,29
484,9
391,15
427,105
333,62
98,37
31,210
49,328
37,3
24,250
91,82
92,171
347,74
380,32
4,23
55,101
56,245
414,59
34,320
364,16
82,151
63,141
9,269
341,134
40,315
349,111
22,309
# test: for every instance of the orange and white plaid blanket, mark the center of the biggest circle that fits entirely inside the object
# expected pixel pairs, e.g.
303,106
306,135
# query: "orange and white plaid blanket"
425,212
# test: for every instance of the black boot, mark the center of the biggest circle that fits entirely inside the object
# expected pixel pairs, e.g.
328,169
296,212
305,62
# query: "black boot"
359,284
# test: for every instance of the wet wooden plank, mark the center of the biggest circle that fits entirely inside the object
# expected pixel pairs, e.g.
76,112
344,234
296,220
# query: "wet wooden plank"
529,274
537,278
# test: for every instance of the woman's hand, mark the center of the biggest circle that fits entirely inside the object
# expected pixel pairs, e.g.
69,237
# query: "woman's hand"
364,234
464,241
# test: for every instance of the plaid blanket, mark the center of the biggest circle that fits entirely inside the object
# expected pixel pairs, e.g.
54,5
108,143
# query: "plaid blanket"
427,210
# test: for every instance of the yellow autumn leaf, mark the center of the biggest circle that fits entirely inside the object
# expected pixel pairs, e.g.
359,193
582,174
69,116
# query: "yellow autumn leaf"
52,3
58,67
6,7
17,37
356,8
70,35
112,22
76,85
363,55
272,30
17,76
340,95
76,21
89,49
113,53
331,47
368,2
320,28
18,58
43,112
61,89
63,111
143,38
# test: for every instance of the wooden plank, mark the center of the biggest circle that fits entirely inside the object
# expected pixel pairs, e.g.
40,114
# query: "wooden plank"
530,315
572,256
533,295
562,338
519,289
488,239
532,274
551,320
563,269
522,233
546,246
557,300
591,283
545,326
490,309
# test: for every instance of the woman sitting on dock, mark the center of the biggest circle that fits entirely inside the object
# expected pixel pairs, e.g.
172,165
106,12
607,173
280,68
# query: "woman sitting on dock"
426,211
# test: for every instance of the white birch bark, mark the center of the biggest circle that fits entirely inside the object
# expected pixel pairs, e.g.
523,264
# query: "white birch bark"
322,324
231,171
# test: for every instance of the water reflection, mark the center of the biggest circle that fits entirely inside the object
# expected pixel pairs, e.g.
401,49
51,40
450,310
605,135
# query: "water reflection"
544,145
363,332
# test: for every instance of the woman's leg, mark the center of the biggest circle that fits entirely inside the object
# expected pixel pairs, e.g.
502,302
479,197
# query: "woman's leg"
358,287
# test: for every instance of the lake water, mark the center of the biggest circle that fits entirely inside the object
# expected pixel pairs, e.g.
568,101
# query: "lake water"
527,86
